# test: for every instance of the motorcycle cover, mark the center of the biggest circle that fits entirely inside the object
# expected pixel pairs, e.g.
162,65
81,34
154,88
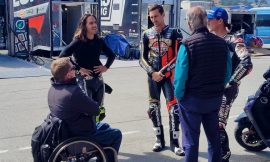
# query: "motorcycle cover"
118,44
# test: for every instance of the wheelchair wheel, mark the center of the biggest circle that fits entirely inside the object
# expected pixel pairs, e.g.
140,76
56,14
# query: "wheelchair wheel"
78,149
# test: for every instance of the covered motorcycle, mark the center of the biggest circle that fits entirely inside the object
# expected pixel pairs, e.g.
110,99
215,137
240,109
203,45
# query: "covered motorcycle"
118,44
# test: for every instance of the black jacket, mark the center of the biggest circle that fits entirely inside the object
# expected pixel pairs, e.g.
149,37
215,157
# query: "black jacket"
207,55
68,102
87,53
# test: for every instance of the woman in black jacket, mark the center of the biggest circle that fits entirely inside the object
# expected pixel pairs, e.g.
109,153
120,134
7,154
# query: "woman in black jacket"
86,48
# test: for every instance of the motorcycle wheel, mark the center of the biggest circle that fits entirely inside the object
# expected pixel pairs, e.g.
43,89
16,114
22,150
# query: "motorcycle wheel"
247,137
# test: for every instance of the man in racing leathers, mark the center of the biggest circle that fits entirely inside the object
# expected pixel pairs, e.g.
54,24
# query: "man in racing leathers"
241,66
159,48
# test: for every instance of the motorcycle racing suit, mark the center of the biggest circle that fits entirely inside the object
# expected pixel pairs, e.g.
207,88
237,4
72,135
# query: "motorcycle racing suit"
159,52
241,66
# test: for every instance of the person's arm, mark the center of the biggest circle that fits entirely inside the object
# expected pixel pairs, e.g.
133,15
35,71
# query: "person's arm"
244,66
243,69
109,53
110,58
181,73
69,49
228,73
177,37
83,103
144,56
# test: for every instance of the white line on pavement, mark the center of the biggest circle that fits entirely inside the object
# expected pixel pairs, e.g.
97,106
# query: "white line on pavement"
25,148
3,151
130,132
29,147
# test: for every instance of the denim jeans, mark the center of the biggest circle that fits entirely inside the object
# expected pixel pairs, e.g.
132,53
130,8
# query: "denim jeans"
194,112
107,136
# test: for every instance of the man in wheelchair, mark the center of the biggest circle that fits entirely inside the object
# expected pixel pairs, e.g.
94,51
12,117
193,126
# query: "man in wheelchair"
68,103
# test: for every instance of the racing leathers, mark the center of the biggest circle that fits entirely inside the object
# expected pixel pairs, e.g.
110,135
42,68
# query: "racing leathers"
158,55
241,66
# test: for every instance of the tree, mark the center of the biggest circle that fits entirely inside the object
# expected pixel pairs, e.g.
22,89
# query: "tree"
263,2
246,2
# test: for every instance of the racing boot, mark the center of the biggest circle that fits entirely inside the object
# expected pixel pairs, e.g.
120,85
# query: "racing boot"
160,142
174,131
155,116
225,150
174,144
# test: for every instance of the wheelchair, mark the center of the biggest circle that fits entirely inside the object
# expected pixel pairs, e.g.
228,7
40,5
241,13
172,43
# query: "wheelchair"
81,149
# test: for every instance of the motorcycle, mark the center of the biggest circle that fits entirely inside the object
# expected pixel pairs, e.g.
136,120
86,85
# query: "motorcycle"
253,131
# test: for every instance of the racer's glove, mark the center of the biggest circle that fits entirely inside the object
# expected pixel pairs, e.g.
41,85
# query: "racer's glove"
101,115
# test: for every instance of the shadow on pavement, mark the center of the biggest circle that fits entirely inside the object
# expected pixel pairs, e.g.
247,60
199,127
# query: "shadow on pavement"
148,157
262,156
12,67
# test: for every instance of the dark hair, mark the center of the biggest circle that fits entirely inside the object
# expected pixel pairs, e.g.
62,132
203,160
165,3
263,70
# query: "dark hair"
157,7
81,31
228,26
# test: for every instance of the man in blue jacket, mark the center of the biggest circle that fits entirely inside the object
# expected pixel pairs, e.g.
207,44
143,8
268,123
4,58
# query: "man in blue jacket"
201,72
67,102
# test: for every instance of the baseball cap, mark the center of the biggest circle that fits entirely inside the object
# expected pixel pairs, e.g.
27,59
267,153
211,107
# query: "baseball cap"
217,13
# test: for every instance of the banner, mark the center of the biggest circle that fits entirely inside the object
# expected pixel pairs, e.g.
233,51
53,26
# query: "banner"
21,32
106,9
22,4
